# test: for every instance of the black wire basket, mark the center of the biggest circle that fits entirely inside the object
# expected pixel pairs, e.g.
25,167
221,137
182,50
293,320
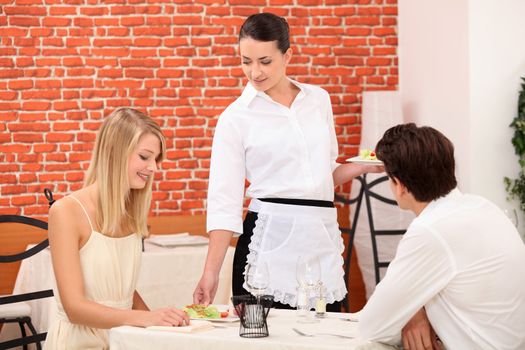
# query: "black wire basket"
253,312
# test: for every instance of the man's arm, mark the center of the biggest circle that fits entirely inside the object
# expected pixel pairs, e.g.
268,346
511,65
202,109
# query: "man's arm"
421,268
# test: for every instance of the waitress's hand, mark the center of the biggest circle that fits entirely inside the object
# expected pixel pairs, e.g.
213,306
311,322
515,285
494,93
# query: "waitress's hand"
206,289
361,168
348,171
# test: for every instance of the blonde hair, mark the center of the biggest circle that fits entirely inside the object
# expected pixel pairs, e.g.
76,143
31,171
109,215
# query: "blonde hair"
120,207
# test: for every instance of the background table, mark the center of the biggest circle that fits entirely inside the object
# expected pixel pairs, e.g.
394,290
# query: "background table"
282,336
168,277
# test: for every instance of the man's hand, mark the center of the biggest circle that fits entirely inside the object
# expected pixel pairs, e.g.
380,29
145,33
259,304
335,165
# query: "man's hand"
418,333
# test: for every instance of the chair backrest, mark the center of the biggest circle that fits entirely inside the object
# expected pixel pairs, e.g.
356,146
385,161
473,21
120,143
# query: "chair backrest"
24,220
350,231
369,195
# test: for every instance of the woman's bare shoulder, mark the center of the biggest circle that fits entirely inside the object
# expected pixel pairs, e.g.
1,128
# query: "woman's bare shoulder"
63,206
67,211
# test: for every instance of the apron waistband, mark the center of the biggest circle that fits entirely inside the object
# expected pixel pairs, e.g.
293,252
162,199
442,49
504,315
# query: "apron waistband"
280,209
296,201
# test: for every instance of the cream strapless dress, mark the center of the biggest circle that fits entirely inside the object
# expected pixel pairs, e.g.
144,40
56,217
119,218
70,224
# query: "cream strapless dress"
110,268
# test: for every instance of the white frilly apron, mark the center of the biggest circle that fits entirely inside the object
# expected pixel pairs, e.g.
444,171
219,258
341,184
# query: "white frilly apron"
283,233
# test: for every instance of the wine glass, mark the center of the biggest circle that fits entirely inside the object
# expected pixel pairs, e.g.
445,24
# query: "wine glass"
512,215
257,278
308,270
308,277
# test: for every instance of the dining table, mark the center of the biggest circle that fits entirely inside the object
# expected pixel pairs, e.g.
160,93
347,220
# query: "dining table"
286,330
168,277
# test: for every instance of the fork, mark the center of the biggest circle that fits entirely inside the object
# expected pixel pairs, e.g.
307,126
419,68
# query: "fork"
217,326
316,334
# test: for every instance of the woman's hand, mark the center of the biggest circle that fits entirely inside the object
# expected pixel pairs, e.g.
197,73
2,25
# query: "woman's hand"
346,172
169,316
206,288
374,169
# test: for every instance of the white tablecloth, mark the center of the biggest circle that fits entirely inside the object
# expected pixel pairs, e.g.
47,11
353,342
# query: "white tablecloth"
281,336
168,277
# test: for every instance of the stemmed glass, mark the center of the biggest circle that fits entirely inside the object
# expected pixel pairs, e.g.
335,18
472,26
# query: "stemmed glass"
308,276
512,215
257,278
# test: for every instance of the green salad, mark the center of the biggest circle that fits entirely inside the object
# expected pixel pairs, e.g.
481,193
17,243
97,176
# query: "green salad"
367,154
201,311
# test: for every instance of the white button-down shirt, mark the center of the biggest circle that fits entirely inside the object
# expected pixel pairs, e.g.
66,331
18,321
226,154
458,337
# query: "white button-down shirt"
282,152
464,261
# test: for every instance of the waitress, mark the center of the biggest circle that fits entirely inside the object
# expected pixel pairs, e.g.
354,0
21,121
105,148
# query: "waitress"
279,136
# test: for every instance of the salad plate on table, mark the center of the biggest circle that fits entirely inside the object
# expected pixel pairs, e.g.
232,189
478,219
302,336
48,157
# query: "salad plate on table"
213,313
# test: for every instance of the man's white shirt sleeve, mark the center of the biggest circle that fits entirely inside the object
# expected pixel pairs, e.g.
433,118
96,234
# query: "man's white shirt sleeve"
422,267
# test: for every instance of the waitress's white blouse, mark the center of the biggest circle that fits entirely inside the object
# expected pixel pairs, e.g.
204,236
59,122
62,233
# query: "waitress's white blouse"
282,152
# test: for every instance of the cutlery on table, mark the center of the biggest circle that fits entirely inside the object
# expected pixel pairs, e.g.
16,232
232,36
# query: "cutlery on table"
217,326
320,334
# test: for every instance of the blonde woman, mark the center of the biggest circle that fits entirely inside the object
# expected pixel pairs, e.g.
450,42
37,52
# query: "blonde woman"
95,237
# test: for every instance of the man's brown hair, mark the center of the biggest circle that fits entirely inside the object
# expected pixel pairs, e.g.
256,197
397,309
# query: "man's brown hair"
421,158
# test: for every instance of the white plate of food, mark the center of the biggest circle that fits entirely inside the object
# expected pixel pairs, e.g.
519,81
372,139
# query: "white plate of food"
360,160
367,157
213,313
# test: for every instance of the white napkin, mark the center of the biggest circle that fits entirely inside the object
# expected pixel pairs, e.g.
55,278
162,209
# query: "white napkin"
177,239
195,326
173,236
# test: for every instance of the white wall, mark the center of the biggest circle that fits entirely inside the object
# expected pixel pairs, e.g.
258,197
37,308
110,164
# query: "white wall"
433,70
460,64
497,60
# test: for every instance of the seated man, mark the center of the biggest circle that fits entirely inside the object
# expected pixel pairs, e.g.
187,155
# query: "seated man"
461,262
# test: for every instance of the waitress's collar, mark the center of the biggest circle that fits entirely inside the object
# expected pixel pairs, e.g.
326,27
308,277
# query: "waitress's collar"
249,93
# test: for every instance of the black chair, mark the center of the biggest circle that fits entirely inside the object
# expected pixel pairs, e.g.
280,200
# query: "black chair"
350,231
13,308
367,192
374,233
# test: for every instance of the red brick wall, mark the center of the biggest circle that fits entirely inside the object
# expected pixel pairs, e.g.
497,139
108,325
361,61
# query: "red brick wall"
64,64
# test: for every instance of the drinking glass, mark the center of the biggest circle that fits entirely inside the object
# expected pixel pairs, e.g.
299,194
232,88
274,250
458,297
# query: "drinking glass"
257,278
308,270
512,215
302,297
308,277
